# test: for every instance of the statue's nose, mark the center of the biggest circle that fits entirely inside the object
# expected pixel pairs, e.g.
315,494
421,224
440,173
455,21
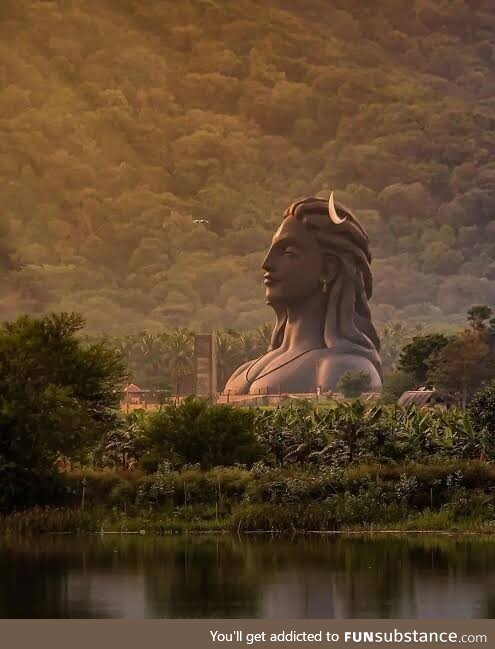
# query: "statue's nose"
268,262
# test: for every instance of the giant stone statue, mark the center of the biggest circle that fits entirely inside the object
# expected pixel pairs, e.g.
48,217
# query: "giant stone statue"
318,281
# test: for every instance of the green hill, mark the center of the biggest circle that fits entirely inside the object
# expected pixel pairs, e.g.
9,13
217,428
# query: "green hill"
123,121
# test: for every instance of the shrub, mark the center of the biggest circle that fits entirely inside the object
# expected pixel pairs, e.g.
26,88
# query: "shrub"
470,504
196,432
354,383
158,489
98,486
124,493
150,462
21,487
482,413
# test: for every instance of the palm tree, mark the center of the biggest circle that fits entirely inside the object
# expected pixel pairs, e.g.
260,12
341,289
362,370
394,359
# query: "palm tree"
264,335
180,355
125,445
226,354
127,348
148,344
236,348
155,354
394,337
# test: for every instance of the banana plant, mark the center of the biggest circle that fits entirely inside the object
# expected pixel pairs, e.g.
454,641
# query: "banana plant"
348,425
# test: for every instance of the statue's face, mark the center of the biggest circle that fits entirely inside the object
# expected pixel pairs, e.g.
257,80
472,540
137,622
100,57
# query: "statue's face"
294,264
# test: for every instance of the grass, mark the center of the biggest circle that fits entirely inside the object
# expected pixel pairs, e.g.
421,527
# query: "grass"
444,496
52,520
244,519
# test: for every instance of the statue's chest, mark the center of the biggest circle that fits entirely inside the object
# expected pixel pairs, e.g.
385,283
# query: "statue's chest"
284,373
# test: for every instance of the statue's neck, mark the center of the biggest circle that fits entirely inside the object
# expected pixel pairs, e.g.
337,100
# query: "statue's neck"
305,324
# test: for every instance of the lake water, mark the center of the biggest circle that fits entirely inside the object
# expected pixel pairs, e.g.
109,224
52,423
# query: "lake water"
247,577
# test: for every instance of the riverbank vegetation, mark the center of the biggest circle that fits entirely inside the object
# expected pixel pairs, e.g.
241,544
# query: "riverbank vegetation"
70,461
451,496
199,467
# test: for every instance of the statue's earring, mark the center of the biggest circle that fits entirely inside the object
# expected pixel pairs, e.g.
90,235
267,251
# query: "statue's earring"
324,286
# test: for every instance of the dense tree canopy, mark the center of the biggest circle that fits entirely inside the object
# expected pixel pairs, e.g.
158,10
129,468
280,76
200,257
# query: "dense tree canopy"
353,384
57,394
414,356
123,122
462,366
198,433
482,411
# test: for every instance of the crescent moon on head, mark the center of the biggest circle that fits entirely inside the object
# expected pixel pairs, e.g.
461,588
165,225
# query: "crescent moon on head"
332,212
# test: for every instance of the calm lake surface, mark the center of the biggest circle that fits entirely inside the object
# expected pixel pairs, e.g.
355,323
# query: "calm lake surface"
247,577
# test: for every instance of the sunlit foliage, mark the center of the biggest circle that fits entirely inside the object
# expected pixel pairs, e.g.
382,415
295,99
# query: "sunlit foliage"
123,122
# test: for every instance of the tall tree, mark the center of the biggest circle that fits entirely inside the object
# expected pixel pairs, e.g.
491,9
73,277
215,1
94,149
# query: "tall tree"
393,337
227,356
462,366
180,353
57,395
414,356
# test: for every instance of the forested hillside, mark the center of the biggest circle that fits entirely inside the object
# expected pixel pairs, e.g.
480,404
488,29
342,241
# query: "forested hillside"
123,121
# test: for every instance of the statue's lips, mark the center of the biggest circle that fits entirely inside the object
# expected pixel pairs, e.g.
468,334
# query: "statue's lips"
270,281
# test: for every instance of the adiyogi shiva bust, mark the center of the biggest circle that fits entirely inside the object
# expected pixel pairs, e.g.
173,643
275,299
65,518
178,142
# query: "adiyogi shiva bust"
317,278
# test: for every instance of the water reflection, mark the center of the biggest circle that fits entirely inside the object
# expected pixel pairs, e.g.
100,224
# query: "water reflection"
226,576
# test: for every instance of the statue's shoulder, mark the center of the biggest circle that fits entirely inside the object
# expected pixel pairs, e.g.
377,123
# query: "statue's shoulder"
334,364
238,377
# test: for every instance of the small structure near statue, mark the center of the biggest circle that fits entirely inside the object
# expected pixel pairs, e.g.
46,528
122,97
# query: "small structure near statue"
135,398
423,398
